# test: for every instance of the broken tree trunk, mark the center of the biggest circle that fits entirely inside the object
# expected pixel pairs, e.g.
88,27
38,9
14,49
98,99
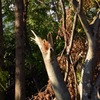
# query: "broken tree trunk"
52,68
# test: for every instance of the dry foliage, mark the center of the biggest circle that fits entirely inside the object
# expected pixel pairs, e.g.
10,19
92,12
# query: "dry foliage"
46,93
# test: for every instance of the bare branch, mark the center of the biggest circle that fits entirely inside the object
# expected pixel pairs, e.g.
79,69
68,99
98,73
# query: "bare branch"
69,50
64,25
34,33
83,20
70,46
64,14
72,35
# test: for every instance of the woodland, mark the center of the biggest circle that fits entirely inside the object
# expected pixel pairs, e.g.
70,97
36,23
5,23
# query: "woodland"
49,49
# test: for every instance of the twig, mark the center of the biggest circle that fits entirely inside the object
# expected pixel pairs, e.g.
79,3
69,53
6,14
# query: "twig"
70,44
64,25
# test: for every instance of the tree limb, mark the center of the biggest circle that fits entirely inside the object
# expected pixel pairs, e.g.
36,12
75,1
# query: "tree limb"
64,25
72,35
70,46
52,68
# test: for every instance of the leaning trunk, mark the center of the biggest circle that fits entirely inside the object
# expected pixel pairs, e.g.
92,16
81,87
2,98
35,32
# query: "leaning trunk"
56,78
53,70
86,85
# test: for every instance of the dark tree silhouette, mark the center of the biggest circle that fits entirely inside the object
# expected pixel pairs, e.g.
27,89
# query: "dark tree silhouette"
19,70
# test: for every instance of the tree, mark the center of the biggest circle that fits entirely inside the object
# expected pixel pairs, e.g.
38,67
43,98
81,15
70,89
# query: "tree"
19,70
1,39
67,21
52,68
1,48
90,61
88,88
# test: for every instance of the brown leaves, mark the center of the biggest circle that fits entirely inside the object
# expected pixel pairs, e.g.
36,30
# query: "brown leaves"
46,94
78,49
88,4
46,44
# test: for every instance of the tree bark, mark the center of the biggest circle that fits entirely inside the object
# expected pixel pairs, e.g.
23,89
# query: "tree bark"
89,64
86,85
19,70
53,70
95,95
1,39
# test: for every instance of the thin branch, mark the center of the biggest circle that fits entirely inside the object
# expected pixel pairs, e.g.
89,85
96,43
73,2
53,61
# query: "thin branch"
68,55
70,46
82,19
72,35
64,25
64,14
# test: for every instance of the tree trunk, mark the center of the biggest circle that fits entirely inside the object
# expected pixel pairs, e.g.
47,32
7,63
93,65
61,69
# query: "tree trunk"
90,61
56,78
92,32
89,64
53,70
1,38
19,70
